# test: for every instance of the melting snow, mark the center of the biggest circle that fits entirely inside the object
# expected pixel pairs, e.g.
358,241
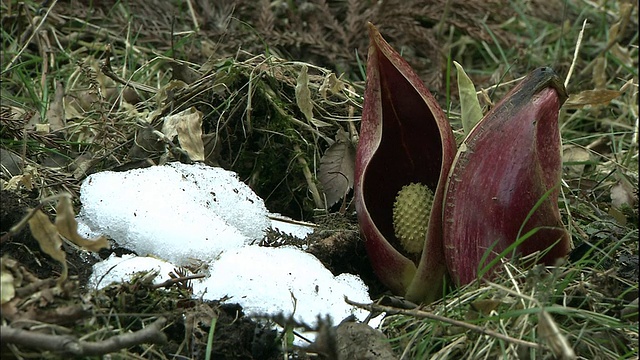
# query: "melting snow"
181,213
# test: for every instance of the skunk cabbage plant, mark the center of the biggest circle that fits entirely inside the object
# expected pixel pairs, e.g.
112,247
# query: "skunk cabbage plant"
504,182
500,185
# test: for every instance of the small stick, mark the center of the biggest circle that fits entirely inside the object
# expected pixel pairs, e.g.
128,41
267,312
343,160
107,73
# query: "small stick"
427,315
73,346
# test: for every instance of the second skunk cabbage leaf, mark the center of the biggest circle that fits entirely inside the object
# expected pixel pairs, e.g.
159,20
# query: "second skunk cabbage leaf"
505,181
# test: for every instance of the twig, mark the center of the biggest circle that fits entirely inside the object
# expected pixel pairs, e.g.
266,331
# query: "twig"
172,281
72,346
35,286
427,315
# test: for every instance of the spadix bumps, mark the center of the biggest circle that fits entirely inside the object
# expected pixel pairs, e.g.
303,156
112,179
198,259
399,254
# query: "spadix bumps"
411,216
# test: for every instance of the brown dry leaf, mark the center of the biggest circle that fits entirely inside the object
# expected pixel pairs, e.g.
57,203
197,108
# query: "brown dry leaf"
550,333
623,54
623,21
574,160
42,129
190,134
331,84
592,97
7,290
146,144
167,92
623,194
25,180
55,113
486,306
183,72
303,94
337,168
49,239
600,73
187,125
68,227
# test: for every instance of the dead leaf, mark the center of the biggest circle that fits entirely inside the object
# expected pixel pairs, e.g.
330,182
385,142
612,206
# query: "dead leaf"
471,112
550,333
486,306
26,179
11,163
574,160
78,103
190,134
303,94
482,307
55,113
68,227
7,290
167,92
623,194
337,167
49,236
617,29
42,129
599,73
592,97
331,84
49,239
187,126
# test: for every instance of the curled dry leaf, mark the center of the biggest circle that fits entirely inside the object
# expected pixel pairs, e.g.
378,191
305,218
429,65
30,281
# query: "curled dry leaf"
68,227
7,290
49,240
592,97
187,125
336,170
574,160
190,134
303,94
49,235
623,194
55,113
331,84
25,179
